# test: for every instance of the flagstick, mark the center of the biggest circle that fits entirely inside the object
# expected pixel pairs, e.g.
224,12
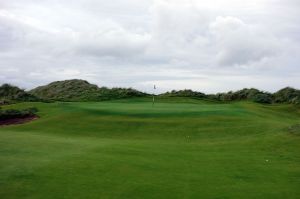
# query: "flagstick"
153,95
153,100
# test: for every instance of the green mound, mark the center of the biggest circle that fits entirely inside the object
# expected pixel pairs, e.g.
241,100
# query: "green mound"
287,95
9,93
69,90
81,90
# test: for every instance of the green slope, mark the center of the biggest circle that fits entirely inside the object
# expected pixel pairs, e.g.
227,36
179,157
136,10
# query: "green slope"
81,90
129,149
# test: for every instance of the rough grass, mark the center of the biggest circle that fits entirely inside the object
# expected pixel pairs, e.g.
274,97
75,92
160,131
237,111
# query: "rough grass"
181,148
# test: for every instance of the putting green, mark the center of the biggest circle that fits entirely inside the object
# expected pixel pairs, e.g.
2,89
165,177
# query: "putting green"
180,148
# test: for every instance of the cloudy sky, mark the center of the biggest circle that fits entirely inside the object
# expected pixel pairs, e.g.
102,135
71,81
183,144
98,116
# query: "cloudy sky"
205,45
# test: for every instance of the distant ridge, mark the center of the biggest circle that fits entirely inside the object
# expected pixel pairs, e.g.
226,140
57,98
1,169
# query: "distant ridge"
82,90
285,95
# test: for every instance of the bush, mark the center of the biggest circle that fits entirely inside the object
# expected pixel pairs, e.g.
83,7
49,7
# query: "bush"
295,100
9,93
4,102
287,95
13,113
251,94
264,98
184,93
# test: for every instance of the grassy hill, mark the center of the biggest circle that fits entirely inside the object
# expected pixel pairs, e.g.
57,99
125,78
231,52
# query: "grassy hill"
69,90
9,93
180,148
81,90
287,95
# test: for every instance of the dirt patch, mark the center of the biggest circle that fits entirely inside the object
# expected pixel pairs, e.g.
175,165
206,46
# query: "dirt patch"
18,120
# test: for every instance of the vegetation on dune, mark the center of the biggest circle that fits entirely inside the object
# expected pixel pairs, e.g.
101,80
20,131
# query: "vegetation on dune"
251,94
81,90
9,94
119,93
71,90
288,94
184,93
264,98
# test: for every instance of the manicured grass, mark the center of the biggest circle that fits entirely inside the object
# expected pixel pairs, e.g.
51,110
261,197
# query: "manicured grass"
180,148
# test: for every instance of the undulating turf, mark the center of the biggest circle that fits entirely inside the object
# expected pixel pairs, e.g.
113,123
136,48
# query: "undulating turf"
180,148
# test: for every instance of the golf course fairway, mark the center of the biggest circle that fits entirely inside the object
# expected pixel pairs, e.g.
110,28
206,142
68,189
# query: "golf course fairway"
178,148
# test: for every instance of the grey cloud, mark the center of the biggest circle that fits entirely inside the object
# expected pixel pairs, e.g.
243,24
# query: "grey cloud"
240,44
140,42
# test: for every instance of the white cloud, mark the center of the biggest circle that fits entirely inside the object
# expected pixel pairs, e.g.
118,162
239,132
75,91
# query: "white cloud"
241,44
111,40
179,44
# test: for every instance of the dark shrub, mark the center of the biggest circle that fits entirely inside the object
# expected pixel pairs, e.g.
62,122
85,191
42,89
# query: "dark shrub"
13,113
264,98
184,93
15,94
287,95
